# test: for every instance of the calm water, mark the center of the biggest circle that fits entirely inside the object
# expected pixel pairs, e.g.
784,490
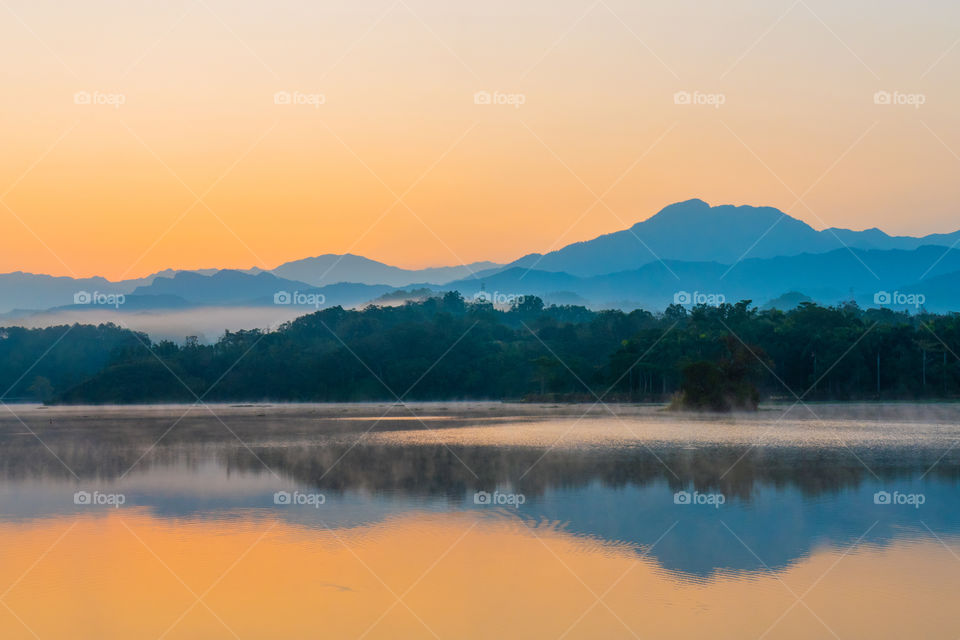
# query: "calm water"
479,521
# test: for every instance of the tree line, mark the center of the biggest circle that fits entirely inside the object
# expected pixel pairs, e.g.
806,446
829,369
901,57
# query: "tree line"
445,348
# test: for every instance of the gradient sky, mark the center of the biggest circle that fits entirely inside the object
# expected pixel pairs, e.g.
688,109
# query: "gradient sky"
200,168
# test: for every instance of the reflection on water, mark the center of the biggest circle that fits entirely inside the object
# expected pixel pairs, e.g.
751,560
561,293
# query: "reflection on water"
737,528
457,575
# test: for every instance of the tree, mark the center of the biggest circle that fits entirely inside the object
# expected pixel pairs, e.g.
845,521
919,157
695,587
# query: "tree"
42,389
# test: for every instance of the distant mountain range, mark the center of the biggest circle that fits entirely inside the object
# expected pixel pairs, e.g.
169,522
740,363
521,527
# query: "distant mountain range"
332,268
734,252
696,232
22,291
828,278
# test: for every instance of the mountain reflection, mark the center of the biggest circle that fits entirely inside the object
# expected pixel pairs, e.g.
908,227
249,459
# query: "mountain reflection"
449,470
783,502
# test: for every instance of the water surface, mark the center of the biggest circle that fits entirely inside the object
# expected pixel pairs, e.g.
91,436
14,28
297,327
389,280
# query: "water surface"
479,520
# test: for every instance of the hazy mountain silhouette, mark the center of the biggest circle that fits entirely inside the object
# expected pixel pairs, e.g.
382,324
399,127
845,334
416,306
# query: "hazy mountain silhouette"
222,288
941,291
19,290
695,231
758,253
32,291
789,300
229,287
828,278
332,268
136,303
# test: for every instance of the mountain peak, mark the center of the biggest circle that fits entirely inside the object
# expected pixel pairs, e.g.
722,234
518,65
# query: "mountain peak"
685,208
680,215
691,230
692,203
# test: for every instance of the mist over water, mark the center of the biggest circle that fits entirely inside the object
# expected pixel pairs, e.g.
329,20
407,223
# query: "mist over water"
693,511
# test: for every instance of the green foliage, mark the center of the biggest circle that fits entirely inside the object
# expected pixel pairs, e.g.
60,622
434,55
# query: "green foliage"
42,389
34,363
446,349
702,387
725,385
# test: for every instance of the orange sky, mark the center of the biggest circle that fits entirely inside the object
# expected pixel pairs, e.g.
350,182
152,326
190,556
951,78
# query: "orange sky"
198,166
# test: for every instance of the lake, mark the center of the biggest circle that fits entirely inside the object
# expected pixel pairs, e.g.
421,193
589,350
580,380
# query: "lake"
479,520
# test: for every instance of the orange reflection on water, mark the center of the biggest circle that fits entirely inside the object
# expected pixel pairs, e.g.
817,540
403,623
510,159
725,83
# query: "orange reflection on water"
132,575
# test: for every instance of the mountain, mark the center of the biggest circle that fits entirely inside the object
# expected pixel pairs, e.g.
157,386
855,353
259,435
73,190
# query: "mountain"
940,292
828,278
136,303
32,291
224,287
19,290
789,300
758,253
344,294
696,232
332,268
876,239
227,288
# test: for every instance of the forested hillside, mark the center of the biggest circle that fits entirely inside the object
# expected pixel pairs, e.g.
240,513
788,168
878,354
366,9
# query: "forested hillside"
445,348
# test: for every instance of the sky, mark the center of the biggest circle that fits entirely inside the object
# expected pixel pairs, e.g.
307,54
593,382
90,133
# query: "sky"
142,135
